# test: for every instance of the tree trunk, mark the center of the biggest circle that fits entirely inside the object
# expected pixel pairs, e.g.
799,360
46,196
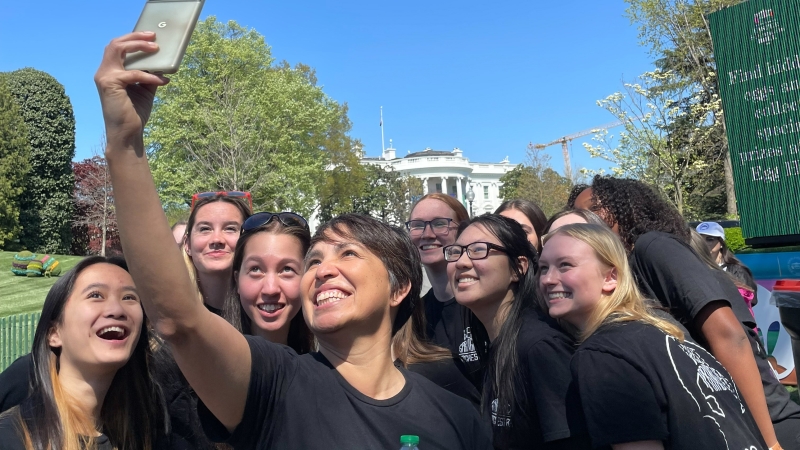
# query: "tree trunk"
729,191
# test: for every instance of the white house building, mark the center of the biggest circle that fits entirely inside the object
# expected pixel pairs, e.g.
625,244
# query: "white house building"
450,172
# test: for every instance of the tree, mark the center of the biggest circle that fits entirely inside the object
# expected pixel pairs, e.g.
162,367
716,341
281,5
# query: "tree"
14,165
385,194
46,207
536,181
95,224
232,119
678,36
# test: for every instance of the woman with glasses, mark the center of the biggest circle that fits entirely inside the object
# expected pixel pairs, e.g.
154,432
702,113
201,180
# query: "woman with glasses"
432,225
641,385
526,387
264,296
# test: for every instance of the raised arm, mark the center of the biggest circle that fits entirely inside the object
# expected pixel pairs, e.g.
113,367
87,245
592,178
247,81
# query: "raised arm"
212,355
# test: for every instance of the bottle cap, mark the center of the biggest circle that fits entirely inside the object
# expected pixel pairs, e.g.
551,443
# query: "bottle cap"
409,439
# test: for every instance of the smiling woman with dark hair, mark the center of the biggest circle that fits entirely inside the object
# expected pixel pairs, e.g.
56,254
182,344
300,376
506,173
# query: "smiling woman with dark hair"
91,387
356,293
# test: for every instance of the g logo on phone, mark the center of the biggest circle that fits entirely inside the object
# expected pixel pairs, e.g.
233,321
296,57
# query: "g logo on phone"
162,24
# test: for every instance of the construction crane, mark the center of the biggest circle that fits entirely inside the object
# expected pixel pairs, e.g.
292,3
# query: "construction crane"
564,141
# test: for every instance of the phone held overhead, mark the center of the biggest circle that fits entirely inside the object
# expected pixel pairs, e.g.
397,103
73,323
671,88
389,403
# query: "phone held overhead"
173,22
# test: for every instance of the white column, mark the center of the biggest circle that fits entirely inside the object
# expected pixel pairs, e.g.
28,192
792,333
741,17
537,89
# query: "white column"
444,184
425,186
459,194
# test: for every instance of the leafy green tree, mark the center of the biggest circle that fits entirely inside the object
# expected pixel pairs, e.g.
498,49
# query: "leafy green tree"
536,181
46,204
233,119
14,165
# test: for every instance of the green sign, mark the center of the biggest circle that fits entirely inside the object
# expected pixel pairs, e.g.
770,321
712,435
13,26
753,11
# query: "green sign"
757,50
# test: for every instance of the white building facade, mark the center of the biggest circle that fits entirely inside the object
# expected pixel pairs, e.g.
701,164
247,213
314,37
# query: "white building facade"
451,173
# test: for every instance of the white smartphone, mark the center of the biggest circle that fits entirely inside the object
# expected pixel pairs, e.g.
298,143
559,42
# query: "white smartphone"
173,22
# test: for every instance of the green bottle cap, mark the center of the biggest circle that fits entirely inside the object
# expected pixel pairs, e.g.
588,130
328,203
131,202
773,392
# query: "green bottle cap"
409,439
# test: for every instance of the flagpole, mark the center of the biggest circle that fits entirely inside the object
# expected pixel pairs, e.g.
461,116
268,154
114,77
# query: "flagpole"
383,145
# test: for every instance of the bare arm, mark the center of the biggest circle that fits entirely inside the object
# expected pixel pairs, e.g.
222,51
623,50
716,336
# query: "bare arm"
728,343
641,445
212,355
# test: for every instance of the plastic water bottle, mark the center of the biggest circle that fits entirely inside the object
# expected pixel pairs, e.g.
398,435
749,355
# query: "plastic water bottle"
409,442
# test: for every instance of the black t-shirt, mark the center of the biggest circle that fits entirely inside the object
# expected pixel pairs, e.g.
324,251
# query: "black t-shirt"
303,402
667,270
11,434
445,374
545,407
14,382
448,327
636,383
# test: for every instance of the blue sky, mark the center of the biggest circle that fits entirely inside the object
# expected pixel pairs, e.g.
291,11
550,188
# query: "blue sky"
487,77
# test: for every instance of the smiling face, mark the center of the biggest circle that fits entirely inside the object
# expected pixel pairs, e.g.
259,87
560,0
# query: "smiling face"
346,287
268,281
428,243
483,283
523,220
101,321
213,236
572,279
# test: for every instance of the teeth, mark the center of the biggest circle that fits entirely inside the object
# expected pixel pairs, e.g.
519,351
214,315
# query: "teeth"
557,295
270,307
467,280
429,246
330,296
120,333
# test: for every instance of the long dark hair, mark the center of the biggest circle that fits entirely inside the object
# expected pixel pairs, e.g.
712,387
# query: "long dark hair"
132,413
300,337
532,211
502,376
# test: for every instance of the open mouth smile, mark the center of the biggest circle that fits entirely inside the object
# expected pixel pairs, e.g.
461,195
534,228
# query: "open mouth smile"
113,333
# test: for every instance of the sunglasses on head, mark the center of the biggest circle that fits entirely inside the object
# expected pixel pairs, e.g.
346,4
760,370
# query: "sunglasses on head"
234,194
288,219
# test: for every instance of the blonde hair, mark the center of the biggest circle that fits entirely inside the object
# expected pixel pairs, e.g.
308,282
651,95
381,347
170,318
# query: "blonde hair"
626,303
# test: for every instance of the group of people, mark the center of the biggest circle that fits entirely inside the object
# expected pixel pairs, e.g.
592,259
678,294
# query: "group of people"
600,327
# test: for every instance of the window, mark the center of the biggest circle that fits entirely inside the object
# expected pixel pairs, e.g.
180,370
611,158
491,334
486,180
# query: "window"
486,192
439,187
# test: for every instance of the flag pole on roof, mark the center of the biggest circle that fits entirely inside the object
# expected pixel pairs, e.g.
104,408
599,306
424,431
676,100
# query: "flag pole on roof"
383,146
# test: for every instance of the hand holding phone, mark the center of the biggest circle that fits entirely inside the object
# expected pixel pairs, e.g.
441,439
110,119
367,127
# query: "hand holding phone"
173,22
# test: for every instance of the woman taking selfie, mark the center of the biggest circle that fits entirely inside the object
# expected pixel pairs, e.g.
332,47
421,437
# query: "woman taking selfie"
642,386
491,269
357,291
91,387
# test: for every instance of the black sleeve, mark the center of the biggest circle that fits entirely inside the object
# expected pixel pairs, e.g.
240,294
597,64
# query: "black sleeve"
271,371
550,377
618,401
15,382
675,275
10,437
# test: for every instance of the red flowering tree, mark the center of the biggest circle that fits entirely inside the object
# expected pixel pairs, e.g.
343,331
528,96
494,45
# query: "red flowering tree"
94,225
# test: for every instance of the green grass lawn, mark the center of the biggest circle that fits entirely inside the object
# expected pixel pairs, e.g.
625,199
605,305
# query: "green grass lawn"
23,294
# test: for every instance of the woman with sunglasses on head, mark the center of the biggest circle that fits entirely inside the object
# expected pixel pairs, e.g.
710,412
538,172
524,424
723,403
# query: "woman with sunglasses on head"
212,230
526,387
656,238
432,225
358,289
264,296
90,387
641,385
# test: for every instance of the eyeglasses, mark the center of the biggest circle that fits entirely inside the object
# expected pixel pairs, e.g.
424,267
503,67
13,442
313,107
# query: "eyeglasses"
440,226
235,194
476,250
288,219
